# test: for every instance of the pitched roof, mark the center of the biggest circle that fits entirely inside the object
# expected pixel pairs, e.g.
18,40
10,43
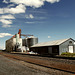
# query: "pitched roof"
50,43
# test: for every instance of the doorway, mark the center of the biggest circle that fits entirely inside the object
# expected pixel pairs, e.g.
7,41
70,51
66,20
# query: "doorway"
71,49
50,50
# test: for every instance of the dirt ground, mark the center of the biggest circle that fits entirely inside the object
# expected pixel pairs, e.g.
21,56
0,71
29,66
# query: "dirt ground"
16,67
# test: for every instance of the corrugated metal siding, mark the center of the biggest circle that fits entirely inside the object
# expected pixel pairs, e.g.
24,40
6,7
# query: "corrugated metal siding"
64,47
57,42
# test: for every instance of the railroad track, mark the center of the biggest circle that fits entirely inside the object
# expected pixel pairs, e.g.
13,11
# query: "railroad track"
46,63
60,57
50,58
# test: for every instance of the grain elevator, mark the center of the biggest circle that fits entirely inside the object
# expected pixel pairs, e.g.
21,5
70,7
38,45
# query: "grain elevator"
17,44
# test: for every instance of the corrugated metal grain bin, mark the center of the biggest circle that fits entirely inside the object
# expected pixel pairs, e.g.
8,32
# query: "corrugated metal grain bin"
32,41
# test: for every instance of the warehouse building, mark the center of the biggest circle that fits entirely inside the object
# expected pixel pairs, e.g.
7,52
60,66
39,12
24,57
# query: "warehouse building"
55,47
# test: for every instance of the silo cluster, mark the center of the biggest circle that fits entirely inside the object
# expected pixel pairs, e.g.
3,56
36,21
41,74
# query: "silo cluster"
16,43
30,41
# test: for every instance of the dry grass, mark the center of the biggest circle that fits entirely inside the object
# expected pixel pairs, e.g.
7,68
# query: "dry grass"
68,54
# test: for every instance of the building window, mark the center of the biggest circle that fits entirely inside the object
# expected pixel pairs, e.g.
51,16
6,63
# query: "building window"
70,42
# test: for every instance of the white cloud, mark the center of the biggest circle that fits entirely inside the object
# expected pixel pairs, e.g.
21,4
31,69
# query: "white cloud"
29,22
6,21
52,1
10,5
16,10
1,11
5,1
49,36
5,34
7,17
5,26
29,16
33,3
20,8
33,22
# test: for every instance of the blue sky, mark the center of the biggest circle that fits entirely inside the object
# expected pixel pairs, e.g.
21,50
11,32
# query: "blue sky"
46,19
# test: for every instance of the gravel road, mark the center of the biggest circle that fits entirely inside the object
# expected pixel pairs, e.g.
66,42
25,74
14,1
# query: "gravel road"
16,67
11,67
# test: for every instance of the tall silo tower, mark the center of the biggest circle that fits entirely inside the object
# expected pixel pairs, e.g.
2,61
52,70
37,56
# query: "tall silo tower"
31,41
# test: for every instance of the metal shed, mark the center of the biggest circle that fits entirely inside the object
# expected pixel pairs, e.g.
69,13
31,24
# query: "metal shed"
55,47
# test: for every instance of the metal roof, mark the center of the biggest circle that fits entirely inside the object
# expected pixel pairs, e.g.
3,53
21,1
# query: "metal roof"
50,43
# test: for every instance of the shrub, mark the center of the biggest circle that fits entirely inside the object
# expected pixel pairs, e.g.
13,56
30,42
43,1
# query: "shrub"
68,54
